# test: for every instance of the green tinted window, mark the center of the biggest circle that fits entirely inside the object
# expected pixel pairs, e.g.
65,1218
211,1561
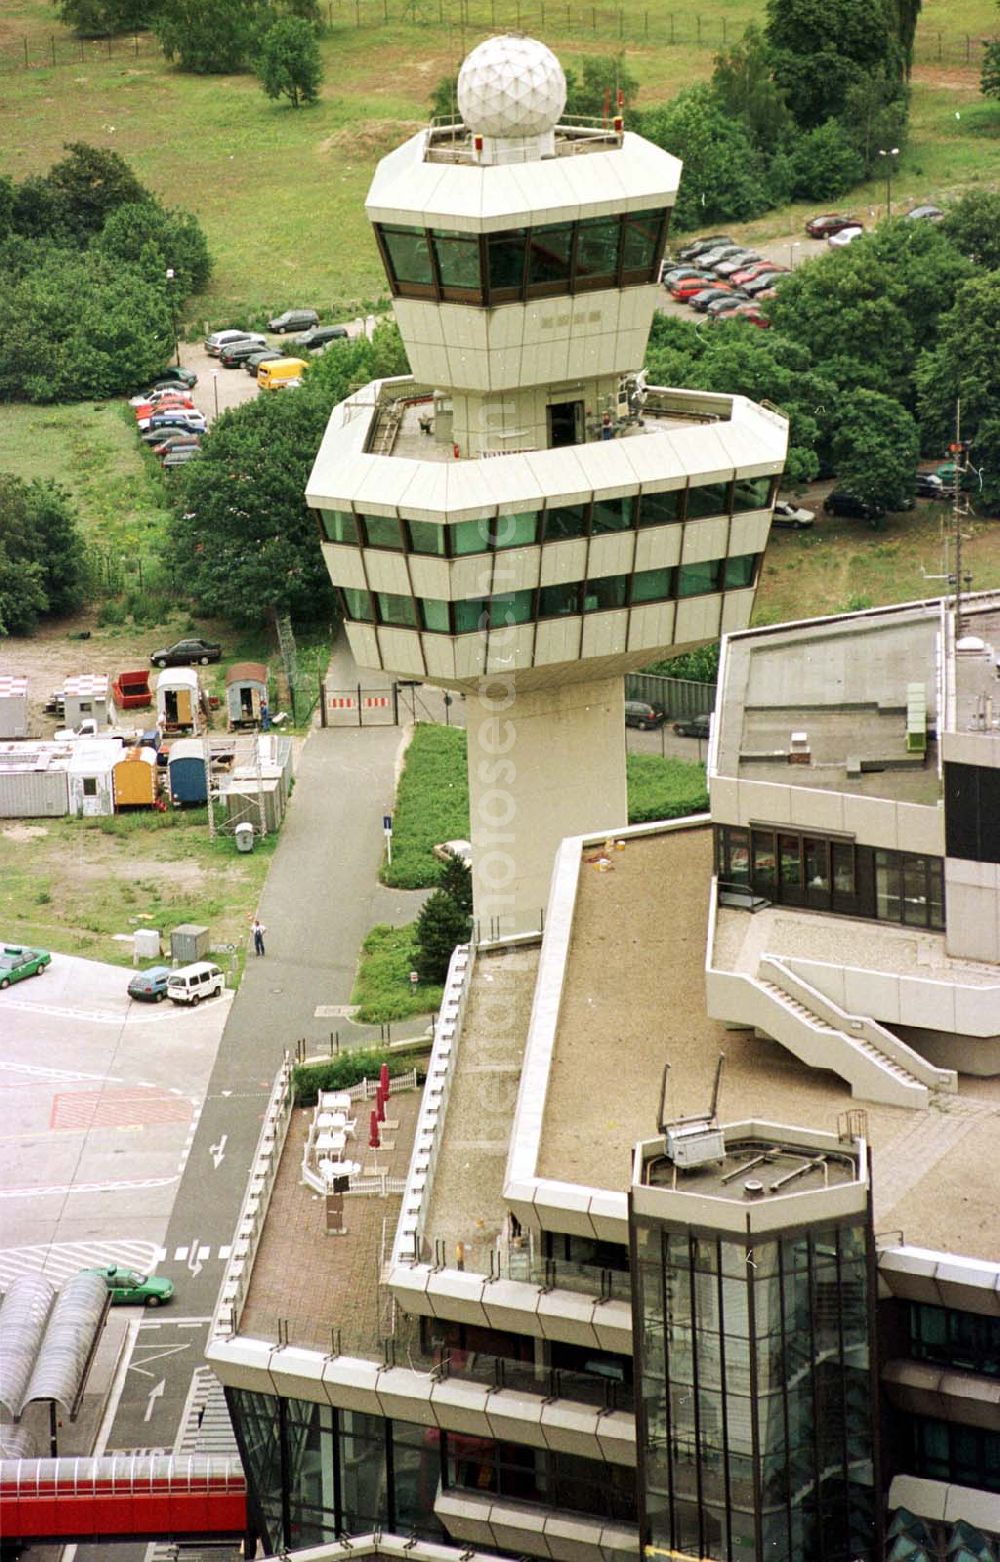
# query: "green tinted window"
506,260
397,610
661,509
383,531
708,499
358,604
556,601
513,607
642,231
752,493
516,531
470,537
612,515
435,616
471,616
740,571
694,580
426,537
457,258
410,254
549,251
568,520
653,585
597,249
338,525
604,593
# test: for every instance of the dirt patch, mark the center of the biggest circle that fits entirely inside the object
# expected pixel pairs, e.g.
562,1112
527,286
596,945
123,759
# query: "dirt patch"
24,832
370,138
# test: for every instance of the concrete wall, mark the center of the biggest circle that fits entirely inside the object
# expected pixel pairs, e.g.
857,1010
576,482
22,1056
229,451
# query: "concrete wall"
542,766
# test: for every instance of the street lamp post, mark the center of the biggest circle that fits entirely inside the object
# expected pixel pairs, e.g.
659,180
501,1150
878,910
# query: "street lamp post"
173,313
791,254
889,154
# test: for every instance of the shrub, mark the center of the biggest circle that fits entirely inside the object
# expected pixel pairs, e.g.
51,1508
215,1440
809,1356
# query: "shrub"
441,925
340,1073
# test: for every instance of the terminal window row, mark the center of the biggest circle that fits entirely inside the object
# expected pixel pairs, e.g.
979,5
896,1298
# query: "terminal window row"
602,594
792,868
623,250
948,1451
595,517
968,1341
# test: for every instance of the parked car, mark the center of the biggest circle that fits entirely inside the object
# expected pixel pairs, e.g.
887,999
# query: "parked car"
751,314
262,355
729,268
184,653
840,503
970,477
683,291
925,214
150,986
158,393
237,353
845,236
178,417
725,304
681,274
639,714
220,339
294,320
829,222
194,982
758,284
18,961
133,1289
164,439
929,486
320,336
700,246
176,374
706,295
792,516
693,726
756,269
180,455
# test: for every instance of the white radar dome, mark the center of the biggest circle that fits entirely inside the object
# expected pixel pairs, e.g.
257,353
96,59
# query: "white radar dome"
510,87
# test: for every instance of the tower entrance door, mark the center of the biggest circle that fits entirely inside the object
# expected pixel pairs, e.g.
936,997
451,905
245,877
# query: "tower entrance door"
565,423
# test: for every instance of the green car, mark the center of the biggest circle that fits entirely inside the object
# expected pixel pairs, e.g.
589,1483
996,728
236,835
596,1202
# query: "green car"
971,480
16,963
136,1290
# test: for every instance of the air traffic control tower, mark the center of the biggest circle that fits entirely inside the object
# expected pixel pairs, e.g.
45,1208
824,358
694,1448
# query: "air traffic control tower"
525,519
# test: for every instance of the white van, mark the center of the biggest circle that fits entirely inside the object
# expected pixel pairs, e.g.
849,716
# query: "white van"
192,983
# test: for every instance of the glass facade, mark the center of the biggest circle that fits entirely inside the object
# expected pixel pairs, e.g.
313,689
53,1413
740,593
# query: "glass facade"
968,1341
601,594
520,263
315,1472
826,874
756,1433
594,517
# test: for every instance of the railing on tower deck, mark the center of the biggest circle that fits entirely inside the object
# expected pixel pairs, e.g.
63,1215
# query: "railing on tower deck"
450,141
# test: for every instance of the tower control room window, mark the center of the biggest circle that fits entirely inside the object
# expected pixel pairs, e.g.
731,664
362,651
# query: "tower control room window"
550,259
383,531
409,254
506,257
597,244
458,265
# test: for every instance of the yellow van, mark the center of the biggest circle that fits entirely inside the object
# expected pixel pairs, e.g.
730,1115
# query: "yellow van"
275,373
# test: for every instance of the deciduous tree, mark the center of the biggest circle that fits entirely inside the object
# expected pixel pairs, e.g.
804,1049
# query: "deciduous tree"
41,554
210,37
288,62
724,176
875,448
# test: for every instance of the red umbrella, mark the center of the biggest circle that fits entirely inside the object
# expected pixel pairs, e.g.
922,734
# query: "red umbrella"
373,1136
383,1081
380,1104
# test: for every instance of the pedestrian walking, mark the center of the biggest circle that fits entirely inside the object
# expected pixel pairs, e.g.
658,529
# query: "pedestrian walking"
258,931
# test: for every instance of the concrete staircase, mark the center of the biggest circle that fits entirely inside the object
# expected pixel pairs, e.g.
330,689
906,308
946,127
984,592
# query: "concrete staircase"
877,1065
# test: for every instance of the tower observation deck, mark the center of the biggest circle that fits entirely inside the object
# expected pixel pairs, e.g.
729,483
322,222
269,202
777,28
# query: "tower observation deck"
524,519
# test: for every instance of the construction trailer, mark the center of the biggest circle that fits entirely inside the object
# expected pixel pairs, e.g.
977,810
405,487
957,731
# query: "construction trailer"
33,780
90,773
13,707
177,699
187,778
135,779
87,696
246,694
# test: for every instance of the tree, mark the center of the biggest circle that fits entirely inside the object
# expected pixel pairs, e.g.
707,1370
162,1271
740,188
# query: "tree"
456,881
821,48
824,164
962,369
210,37
440,925
746,91
875,110
989,80
90,183
595,91
41,554
176,238
724,177
100,18
973,226
288,61
875,449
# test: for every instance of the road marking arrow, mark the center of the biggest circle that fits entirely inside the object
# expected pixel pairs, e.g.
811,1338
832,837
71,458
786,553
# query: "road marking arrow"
194,1262
151,1398
218,1151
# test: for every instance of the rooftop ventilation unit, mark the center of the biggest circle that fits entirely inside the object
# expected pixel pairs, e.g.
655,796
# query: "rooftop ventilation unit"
693,1141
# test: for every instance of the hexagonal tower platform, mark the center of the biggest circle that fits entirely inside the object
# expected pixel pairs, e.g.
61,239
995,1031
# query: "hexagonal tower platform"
524,518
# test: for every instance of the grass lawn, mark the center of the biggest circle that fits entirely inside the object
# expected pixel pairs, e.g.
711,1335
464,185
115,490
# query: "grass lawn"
71,885
383,989
432,800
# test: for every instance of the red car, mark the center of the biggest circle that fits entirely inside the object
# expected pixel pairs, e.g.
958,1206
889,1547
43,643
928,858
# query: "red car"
830,222
751,313
145,409
686,289
756,270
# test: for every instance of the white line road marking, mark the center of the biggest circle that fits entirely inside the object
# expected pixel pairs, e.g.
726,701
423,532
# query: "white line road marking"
58,1260
180,1255
218,1151
196,1260
158,1355
86,1187
151,1398
225,1251
38,1072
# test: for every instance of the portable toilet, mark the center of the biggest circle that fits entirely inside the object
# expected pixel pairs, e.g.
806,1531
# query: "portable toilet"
246,693
177,699
90,772
187,779
13,707
87,697
135,779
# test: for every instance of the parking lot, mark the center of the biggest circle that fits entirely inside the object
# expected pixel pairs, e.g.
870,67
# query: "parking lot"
101,1098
